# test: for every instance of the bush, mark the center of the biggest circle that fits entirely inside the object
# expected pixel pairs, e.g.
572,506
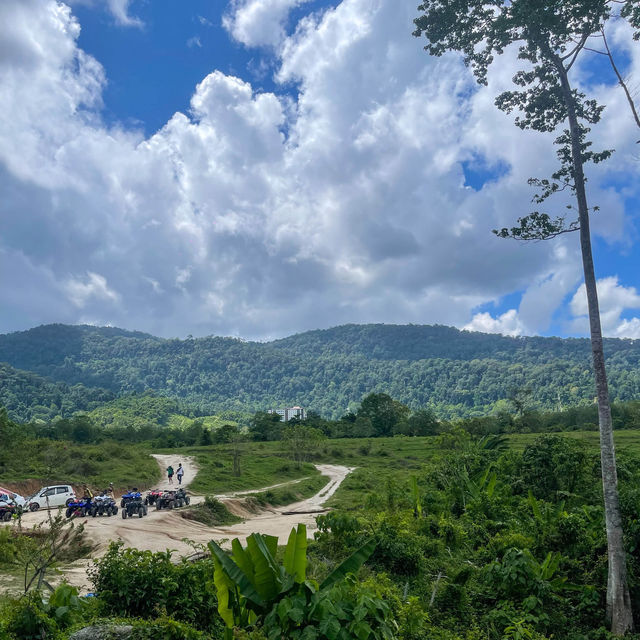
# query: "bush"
346,611
27,619
167,629
133,583
211,512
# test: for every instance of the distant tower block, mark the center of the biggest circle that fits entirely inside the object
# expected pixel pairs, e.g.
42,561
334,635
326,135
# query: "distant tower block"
289,413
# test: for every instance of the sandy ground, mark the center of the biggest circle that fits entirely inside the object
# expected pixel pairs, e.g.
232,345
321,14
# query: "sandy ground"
161,530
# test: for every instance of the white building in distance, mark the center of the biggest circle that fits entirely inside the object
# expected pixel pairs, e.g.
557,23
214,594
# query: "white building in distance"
289,413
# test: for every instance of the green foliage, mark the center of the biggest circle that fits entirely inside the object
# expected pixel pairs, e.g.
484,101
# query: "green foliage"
55,461
251,585
211,512
133,583
452,373
301,442
344,612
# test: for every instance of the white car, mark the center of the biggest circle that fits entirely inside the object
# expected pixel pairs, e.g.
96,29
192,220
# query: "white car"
11,496
59,495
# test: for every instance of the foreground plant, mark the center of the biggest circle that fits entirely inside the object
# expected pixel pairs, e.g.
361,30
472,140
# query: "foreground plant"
253,589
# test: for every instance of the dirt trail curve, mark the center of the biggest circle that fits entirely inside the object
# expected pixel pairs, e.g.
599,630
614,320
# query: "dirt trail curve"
162,530
188,464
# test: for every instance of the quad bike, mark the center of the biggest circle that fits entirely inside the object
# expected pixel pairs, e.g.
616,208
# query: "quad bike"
182,498
132,504
104,505
172,499
152,496
79,508
8,510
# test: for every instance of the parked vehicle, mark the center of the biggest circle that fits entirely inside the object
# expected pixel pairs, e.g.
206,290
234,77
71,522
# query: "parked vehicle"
172,499
8,510
50,497
104,505
132,504
79,508
153,496
16,497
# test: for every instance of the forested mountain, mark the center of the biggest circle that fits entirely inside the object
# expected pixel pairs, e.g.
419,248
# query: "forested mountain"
458,373
28,396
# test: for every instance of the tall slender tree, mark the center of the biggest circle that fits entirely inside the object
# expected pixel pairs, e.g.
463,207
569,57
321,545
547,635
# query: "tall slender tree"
550,36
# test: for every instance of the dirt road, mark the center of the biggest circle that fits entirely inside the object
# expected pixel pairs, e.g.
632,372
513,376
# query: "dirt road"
161,530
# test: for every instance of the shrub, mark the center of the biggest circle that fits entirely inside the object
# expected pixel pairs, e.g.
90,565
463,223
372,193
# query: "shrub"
133,583
211,512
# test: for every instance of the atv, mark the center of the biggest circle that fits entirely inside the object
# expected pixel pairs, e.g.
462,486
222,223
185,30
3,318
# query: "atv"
79,508
172,498
8,510
104,505
133,504
152,496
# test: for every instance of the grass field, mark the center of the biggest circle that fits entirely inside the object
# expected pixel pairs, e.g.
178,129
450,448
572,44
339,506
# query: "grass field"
42,462
261,465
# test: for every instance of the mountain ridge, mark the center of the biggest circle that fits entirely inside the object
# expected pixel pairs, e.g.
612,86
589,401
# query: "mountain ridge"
455,372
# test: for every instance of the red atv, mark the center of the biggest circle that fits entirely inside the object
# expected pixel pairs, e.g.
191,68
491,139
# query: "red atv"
152,496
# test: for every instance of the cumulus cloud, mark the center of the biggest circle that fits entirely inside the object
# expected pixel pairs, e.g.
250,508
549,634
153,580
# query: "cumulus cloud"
93,286
614,299
258,23
260,214
507,323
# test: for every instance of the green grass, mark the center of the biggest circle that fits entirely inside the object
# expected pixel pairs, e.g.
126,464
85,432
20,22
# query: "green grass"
261,465
627,441
382,465
50,462
211,512
291,493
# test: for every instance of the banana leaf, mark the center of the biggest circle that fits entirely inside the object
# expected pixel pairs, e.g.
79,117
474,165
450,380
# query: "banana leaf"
350,565
224,586
235,573
266,571
295,554
242,559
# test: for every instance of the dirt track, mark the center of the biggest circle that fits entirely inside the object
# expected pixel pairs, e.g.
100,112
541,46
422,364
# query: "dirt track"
161,530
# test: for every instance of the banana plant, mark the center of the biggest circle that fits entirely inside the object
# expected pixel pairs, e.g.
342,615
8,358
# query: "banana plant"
415,498
250,582
546,514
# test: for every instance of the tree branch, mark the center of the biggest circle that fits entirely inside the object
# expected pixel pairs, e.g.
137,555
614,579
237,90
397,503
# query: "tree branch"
620,79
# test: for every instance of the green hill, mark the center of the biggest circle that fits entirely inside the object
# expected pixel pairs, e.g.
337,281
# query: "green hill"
28,396
458,373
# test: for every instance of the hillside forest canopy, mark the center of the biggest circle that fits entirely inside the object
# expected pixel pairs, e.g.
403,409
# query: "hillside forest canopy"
57,370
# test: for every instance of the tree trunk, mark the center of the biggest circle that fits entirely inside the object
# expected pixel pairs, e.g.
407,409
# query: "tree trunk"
619,614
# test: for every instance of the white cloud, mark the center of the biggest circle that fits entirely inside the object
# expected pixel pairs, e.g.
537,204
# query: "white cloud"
259,214
507,324
258,23
94,286
614,299
120,11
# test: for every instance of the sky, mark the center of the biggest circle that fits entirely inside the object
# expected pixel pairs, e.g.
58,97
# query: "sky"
257,168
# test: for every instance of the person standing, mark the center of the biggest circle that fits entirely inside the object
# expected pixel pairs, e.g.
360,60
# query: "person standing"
170,474
180,473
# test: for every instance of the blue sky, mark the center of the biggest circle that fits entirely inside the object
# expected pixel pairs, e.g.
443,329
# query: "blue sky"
262,167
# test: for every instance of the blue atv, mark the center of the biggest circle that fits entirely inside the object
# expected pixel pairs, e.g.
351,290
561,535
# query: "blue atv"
79,508
132,504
